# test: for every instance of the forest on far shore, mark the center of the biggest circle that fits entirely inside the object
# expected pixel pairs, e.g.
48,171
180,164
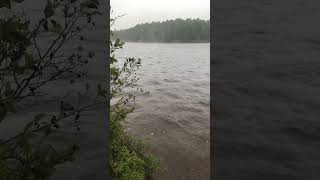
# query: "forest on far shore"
178,30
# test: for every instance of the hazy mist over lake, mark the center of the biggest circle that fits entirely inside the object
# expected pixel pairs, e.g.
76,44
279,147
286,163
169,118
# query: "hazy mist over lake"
142,11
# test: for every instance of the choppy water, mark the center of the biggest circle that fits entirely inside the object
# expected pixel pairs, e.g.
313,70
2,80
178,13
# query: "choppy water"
266,90
177,77
176,112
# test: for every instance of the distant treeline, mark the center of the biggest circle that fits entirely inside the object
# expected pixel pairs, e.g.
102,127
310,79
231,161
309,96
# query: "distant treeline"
178,30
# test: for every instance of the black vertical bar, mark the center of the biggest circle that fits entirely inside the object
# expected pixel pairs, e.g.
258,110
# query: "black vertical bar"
107,20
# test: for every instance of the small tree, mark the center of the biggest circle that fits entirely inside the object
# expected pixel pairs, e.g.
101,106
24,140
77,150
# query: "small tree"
128,159
26,68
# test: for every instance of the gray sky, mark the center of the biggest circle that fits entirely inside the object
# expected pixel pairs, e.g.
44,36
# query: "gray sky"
141,11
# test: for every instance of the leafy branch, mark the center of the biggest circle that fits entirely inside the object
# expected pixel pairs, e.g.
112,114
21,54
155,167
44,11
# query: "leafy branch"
26,68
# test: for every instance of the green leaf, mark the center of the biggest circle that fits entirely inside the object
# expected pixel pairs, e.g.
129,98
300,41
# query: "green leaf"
18,1
53,22
45,25
49,9
56,28
118,43
5,3
35,121
91,4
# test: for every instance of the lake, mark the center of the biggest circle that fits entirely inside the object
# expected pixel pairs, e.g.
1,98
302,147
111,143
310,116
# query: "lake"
266,90
174,117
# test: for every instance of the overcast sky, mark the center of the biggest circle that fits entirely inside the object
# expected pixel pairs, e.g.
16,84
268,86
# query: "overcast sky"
141,11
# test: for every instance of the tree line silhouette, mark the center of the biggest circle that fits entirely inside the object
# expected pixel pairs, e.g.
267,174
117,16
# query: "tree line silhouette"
178,30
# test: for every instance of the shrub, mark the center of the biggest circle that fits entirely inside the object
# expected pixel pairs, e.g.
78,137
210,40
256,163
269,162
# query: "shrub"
128,158
26,68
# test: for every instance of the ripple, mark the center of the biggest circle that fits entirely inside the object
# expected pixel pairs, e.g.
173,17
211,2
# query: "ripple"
154,82
171,80
171,95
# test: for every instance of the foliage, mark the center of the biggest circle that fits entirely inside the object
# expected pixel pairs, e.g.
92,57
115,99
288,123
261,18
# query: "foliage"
128,159
178,30
26,68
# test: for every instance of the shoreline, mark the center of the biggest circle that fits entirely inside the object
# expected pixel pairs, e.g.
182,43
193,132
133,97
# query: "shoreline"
173,119
169,42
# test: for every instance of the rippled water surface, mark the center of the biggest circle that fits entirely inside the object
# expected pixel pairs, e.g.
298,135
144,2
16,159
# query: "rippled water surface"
177,77
266,88
175,116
